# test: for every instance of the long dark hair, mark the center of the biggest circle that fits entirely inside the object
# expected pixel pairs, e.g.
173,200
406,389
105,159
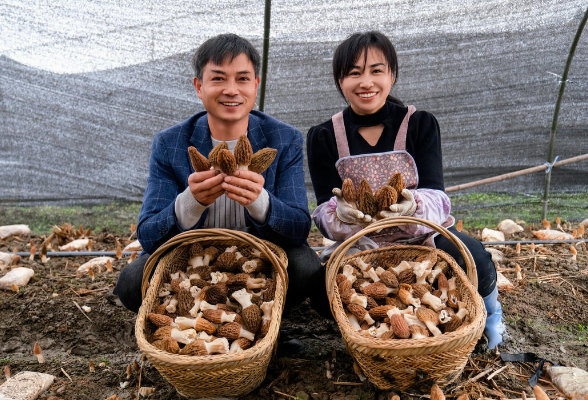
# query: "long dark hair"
348,52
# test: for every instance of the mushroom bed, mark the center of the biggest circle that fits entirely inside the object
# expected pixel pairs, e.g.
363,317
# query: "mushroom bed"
546,313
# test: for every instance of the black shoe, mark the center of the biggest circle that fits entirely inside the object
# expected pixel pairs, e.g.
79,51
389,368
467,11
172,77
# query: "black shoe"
288,345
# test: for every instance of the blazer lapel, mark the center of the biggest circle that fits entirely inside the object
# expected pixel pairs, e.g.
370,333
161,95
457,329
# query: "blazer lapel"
201,136
255,134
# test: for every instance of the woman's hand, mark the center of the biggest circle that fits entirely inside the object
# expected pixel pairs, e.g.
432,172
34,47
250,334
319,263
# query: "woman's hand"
404,208
347,213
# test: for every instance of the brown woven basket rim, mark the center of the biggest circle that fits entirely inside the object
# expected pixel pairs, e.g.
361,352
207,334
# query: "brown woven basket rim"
217,361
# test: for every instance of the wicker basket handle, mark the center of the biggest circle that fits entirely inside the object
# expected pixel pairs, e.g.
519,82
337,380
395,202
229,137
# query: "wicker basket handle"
198,233
341,251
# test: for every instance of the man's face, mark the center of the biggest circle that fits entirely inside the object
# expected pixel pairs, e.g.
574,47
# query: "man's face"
228,91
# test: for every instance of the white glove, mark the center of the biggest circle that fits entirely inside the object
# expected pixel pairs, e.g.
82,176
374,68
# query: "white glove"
348,213
406,207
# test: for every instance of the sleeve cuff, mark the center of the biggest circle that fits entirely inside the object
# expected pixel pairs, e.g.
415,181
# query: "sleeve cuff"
259,208
188,210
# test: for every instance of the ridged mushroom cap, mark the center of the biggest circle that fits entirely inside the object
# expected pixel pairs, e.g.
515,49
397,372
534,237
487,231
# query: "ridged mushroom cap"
385,197
348,190
243,151
230,330
237,282
399,326
196,250
175,285
201,283
226,162
376,290
212,253
371,303
243,343
203,325
345,285
380,312
185,302
389,279
213,155
419,290
394,301
437,393
427,315
252,318
262,159
366,203
168,344
216,294
227,261
159,320
357,310
162,333
406,277
442,282
195,348
199,162
202,270
396,182
270,290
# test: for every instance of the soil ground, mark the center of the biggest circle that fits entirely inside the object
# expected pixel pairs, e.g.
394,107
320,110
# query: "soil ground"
546,313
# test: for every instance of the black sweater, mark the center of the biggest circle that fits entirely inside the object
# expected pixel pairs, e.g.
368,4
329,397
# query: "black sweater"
423,143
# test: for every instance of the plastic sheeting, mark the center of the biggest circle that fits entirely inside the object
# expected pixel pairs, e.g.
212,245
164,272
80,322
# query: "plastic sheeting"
85,85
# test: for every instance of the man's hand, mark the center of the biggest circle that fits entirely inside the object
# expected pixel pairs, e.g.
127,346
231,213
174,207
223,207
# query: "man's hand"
244,186
206,186
347,213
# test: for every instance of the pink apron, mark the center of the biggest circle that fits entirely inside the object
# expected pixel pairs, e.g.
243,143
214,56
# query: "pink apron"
377,168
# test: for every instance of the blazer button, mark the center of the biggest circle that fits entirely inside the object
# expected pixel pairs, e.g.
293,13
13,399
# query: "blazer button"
277,228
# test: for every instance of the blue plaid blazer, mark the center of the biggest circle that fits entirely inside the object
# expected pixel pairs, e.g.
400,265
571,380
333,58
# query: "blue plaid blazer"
288,221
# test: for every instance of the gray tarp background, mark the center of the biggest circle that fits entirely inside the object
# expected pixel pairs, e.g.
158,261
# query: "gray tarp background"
85,85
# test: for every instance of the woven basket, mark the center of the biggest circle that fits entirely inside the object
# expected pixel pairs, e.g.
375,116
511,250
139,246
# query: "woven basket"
214,376
410,363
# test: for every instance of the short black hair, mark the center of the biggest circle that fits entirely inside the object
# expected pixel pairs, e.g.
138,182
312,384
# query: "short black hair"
348,52
218,48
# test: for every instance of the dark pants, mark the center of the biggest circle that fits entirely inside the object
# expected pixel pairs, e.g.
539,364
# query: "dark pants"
484,265
305,273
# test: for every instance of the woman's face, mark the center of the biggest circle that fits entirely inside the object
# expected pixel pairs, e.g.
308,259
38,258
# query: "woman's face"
368,83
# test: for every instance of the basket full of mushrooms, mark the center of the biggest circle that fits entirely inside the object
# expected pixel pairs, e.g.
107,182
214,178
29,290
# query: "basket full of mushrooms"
407,313
211,312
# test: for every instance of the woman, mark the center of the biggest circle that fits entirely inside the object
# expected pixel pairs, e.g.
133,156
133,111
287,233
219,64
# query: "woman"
375,136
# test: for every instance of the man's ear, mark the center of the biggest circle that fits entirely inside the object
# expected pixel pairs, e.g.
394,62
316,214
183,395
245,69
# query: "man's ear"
257,80
198,85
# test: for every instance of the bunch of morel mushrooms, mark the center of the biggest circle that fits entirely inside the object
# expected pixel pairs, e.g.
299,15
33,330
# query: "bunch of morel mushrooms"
391,298
370,203
221,158
221,302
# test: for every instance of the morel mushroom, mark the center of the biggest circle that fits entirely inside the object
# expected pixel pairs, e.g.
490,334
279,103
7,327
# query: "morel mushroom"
348,191
420,292
262,159
233,331
196,255
199,162
216,294
199,347
184,336
378,290
266,319
440,266
453,298
361,313
213,155
198,323
240,344
226,162
366,202
243,153
417,332
385,197
160,320
251,313
351,297
430,319
254,265
398,324
241,281
443,286
405,295
396,182
220,316
168,344
457,319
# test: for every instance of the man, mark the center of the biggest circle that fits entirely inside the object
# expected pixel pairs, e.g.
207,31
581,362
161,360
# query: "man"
272,205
